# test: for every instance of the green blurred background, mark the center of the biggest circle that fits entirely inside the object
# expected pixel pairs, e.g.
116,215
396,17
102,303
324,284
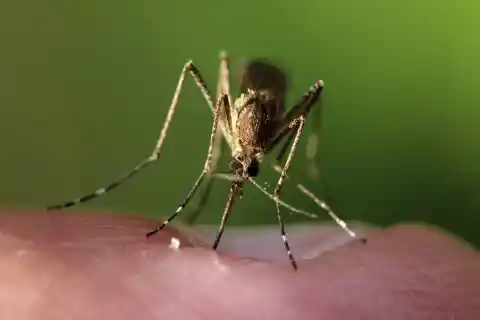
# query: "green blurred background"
85,86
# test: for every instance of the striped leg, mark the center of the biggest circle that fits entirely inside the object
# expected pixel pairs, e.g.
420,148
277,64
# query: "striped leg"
322,204
188,68
223,86
206,169
301,123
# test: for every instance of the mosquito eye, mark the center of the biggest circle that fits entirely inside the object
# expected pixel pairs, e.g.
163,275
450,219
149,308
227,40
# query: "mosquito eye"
253,168
252,171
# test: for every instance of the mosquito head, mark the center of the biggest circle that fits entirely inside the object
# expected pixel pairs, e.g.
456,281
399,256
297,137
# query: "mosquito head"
244,169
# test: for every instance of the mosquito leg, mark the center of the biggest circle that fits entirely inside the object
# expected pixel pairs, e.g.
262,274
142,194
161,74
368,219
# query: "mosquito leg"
311,151
99,192
223,86
224,77
285,146
206,168
188,67
228,208
193,217
285,240
280,202
180,207
321,203
217,151
278,188
294,121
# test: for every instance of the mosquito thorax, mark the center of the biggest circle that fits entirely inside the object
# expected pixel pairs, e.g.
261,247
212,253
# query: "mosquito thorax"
255,119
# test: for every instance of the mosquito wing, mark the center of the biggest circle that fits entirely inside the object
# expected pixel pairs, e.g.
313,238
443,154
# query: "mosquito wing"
261,74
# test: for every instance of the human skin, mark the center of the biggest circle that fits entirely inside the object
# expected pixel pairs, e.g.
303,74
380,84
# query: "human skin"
72,265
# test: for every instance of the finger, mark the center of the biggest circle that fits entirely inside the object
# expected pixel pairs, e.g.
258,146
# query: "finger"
402,273
81,228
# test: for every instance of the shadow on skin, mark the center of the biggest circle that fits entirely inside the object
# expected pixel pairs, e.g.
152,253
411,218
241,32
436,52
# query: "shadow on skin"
70,265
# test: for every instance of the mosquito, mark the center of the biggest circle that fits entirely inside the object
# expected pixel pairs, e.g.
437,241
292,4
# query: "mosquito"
252,126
